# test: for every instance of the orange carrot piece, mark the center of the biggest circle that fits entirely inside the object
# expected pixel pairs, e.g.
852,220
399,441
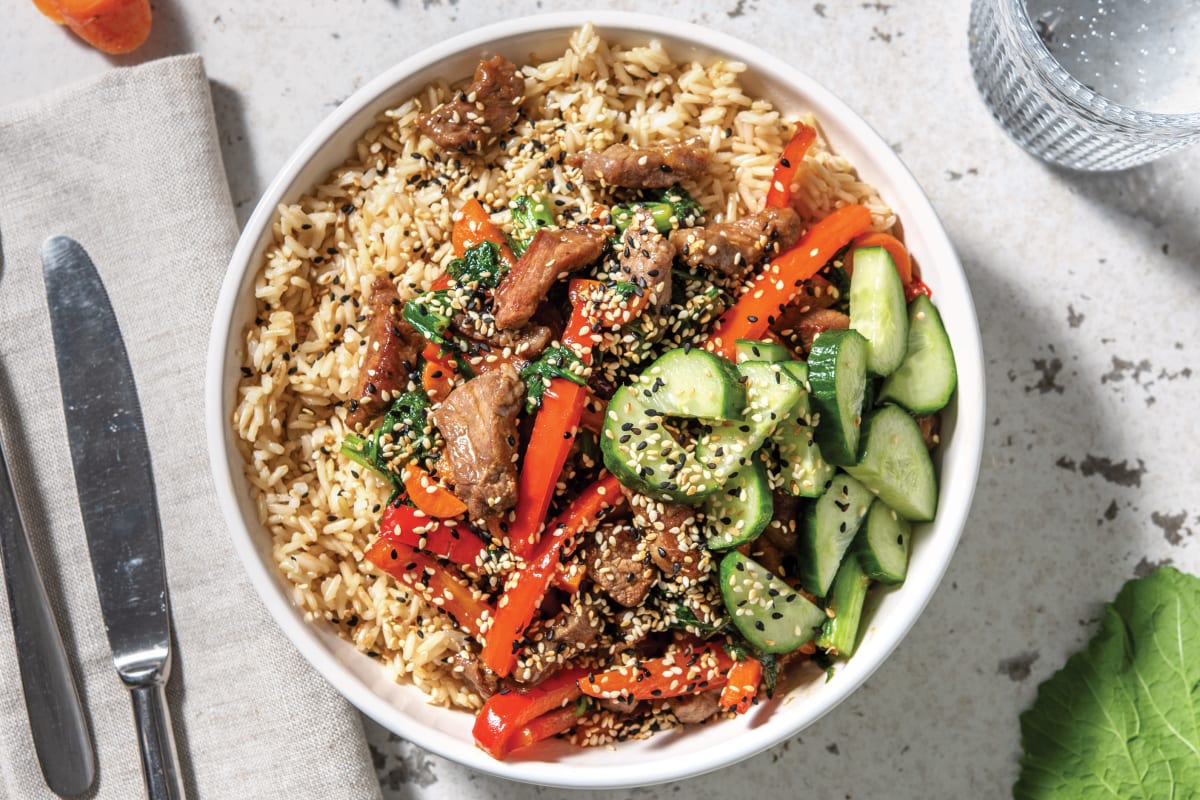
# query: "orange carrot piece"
429,495
475,227
111,26
51,11
744,677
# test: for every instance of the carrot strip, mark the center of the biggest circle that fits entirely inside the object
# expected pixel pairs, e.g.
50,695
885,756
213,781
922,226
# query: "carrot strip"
476,227
780,193
773,288
686,671
429,495
521,601
895,248
744,678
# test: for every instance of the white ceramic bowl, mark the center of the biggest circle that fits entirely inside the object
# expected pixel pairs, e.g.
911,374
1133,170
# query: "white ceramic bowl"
675,754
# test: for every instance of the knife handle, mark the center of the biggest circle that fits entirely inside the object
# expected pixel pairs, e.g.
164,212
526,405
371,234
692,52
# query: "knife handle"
160,761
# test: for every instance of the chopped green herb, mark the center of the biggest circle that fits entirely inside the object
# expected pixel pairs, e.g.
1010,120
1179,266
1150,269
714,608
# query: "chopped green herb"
479,268
430,314
558,361
671,208
530,213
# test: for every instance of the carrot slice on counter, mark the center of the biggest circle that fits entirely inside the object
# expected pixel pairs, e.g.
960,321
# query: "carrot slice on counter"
783,277
111,26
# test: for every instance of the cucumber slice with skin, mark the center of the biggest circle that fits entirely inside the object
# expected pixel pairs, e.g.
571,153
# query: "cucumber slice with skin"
877,309
805,471
895,464
837,373
829,527
750,350
771,615
839,634
740,510
925,380
882,544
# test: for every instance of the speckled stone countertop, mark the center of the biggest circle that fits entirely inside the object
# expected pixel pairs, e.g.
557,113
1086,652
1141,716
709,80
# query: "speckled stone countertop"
1088,293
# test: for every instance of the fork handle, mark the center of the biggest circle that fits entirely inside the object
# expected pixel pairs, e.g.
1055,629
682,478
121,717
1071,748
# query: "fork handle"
160,761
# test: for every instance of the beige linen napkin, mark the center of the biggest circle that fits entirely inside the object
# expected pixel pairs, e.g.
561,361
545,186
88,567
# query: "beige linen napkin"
128,164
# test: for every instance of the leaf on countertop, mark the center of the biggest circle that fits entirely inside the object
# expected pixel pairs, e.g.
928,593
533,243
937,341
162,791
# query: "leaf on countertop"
1122,718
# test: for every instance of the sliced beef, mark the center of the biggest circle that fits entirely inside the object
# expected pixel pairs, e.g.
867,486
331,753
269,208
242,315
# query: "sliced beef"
478,420
692,708
486,110
808,325
669,533
393,349
616,563
524,344
734,247
931,427
550,255
779,542
576,629
646,256
654,167
468,666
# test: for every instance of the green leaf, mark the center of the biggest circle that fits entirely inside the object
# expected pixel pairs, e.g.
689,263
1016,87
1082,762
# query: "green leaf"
557,361
479,268
430,314
529,214
671,208
1122,718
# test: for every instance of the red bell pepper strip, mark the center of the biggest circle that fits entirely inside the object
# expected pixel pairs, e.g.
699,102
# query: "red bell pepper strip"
780,193
544,727
742,688
430,496
433,581
686,671
520,602
413,528
779,282
475,227
554,432
504,715
915,288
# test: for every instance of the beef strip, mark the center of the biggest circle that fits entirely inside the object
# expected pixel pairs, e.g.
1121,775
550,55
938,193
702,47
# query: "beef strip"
646,256
468,666
670,535
616,563
478,420
931,427
780,541
525,344
393,349
485,110
549,255
693,708
655,167
734,247
818,320
576,629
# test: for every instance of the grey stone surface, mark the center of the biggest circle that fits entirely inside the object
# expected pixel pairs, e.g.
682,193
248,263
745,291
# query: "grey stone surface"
1088,291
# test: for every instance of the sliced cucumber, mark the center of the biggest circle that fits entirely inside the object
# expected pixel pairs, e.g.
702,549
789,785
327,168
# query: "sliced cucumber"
750,350
829,527
771,615
693,383
740,510
799,370
877,309
839,634
837,373
882,544
805,471
925,380
895,464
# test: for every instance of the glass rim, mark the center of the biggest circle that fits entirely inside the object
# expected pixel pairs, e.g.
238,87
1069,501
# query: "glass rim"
1076,92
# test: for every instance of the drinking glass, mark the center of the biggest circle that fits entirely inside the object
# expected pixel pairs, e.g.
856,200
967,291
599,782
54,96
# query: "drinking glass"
1090,84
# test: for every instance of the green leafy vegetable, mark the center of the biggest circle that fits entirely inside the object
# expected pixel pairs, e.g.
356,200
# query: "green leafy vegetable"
1122,718
686,619
671,208
479,268
430,314
558,361
403,435
529,214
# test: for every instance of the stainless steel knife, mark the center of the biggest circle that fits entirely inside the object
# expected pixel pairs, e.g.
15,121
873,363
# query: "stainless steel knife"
115,485
60,732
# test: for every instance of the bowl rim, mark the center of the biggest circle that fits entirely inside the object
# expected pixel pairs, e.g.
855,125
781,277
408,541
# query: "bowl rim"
968,433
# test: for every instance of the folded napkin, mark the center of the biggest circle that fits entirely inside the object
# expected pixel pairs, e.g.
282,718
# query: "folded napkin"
128,164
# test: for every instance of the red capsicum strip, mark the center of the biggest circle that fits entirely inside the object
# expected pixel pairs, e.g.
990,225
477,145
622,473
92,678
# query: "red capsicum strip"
686,671
744,678
780,193
554,432
544,727
454,541
521,601
783,277
502,718
433,581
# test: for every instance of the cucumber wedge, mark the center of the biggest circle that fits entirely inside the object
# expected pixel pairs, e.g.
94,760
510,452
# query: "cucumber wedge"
837,373
771,615
805,471
750,350
882,544
877,309
740,510
895,464
829,527
839,634
925,380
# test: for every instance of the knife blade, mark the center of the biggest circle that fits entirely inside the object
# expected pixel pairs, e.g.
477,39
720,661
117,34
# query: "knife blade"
56,721
115,485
